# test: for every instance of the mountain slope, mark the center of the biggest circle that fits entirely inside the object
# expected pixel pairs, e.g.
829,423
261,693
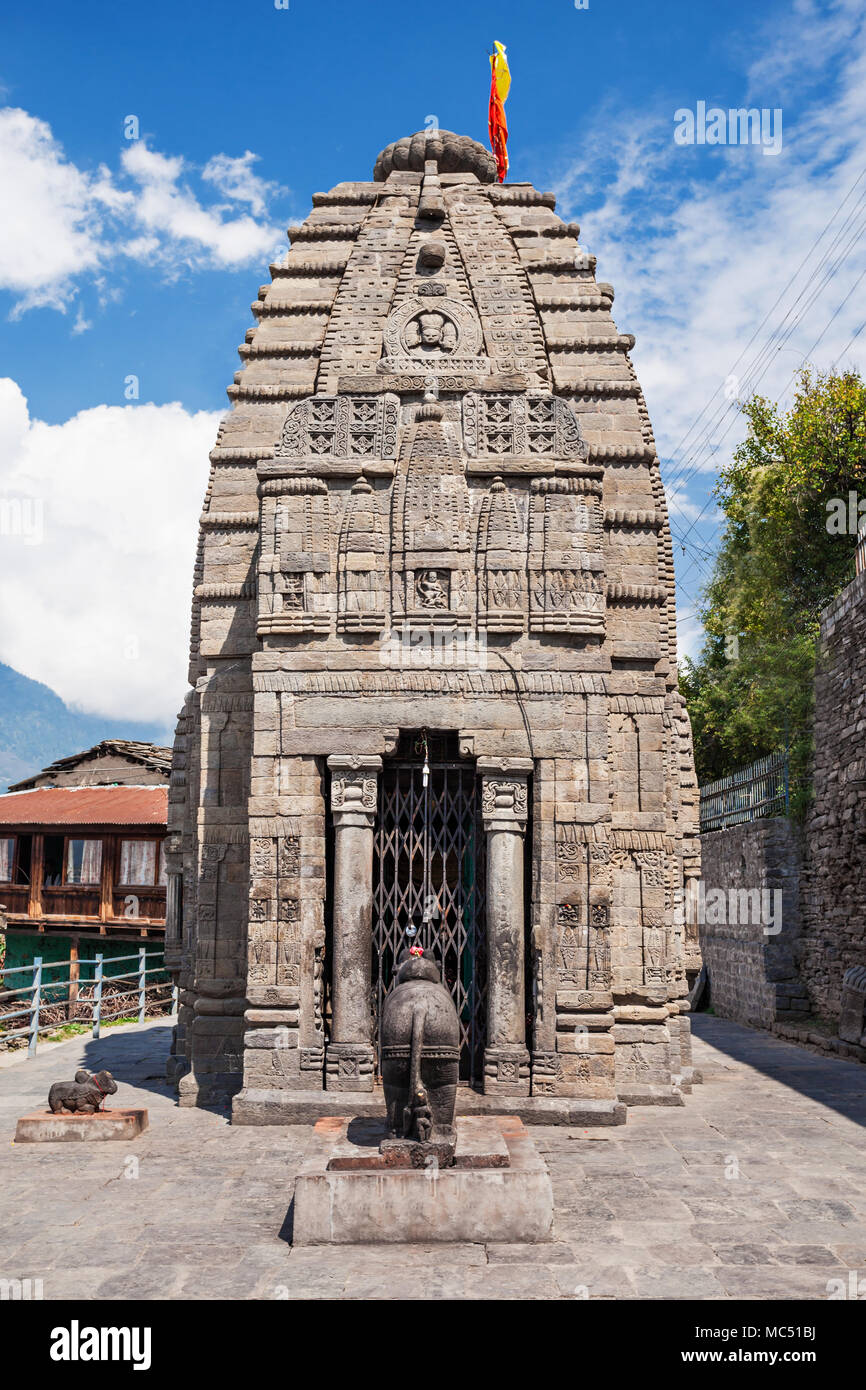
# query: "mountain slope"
36,727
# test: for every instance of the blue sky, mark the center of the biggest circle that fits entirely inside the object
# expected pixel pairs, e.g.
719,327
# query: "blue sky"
140,258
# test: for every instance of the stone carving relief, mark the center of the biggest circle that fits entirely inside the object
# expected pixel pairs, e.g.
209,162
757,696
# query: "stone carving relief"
546,1070
599,976
295,592
418,333
432,588
571,960
504,802
430,332
513,423
289,857
501,562
431,559
583,867
341,427
852,1012
362,577
288,942
640,887
262,857
211,856
353,791
274,923
566,565
499,284
261,930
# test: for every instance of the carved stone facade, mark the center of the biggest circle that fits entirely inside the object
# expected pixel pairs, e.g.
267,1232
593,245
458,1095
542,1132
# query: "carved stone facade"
436,505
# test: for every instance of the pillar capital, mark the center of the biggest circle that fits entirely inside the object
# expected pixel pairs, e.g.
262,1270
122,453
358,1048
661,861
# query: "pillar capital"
354,788
504,793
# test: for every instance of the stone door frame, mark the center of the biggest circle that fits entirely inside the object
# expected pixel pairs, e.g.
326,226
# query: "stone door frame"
453,888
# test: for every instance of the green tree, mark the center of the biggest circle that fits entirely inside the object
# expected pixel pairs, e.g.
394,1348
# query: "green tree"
786,551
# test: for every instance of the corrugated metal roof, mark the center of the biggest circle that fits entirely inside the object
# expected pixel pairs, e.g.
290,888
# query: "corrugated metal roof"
86,806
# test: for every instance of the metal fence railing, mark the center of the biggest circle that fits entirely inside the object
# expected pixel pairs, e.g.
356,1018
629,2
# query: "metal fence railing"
750,793
42,994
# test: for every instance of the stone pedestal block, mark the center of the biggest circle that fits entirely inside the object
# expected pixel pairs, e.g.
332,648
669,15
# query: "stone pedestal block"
43,1127
350,1205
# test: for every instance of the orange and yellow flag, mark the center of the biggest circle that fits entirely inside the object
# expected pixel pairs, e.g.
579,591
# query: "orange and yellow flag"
500,82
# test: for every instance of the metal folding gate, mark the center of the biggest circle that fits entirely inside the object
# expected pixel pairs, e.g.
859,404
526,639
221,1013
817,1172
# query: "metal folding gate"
428,873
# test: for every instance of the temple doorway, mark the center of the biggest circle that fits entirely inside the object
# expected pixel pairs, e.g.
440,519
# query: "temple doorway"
429,875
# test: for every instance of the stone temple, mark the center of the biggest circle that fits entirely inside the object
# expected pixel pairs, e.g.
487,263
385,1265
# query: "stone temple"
434,672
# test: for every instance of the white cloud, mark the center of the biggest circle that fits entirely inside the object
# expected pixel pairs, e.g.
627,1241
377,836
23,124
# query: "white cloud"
167,208
682,508
51,229
700,243
97,572
64,223
236,179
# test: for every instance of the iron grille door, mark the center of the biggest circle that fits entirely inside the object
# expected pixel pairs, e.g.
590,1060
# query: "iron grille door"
428,868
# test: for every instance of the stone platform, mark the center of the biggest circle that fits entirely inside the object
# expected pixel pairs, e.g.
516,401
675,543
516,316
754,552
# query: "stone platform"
267,1107
44,1127
349,1193
652,1209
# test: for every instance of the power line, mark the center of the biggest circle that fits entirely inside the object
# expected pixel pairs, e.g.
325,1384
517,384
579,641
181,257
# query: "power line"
850,341
777,300
753,376
684,471
832,318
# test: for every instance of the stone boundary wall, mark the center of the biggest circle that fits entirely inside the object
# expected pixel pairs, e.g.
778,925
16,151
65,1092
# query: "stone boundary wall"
753,977
792,982
833,889
806,1035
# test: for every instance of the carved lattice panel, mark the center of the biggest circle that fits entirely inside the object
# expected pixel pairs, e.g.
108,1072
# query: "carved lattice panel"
429,869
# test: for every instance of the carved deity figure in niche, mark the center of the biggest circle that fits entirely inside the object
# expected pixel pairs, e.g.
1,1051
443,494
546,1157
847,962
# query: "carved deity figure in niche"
431,589
431,332
291,586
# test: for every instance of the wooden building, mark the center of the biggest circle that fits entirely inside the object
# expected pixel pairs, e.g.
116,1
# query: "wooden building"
82,854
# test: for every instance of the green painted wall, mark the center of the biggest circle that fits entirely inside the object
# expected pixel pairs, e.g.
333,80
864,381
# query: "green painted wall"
23,947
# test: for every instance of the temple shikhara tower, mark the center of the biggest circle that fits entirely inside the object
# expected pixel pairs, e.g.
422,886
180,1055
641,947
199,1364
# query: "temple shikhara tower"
434,672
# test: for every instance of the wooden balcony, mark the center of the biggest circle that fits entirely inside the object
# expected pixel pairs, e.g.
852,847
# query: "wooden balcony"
108,907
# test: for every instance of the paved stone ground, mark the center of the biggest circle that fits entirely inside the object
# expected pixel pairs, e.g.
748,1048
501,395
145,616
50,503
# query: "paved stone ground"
649,1210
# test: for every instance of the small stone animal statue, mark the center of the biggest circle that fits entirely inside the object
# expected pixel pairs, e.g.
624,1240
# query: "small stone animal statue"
420,1051
417,1115
84,1095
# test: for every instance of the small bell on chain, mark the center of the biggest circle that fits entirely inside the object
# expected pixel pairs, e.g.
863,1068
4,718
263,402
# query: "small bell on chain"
425,771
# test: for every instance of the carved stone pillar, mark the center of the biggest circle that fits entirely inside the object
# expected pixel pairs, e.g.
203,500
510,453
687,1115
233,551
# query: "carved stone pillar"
504,796
349,1061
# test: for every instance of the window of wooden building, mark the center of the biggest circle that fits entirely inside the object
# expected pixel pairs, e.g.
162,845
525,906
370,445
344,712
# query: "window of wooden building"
70,860
83,861
16,853
7,858
142,863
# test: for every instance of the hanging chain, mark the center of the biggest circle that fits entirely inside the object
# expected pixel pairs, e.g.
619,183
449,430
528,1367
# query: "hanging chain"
422,750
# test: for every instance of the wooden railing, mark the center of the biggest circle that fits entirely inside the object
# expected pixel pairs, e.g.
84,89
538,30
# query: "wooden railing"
750,793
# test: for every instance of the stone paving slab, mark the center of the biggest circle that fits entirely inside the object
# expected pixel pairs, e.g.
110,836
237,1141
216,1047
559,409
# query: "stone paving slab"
755,1189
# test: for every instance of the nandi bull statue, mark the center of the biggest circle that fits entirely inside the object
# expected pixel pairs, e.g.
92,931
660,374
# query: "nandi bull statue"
84,1095
420,1054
